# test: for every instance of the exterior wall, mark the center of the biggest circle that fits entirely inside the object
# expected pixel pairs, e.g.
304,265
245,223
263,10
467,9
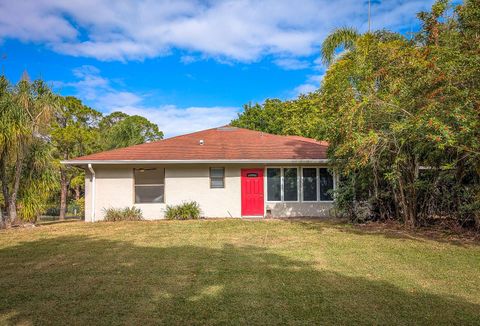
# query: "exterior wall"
88,196
300,209
115,189
187,183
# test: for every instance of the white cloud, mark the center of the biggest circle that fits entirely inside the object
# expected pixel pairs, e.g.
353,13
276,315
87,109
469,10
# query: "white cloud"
292,63
174,121
97,90
311,84
239,30
188,59
101,94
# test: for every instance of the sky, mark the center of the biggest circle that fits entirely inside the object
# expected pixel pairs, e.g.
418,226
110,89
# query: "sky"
186,65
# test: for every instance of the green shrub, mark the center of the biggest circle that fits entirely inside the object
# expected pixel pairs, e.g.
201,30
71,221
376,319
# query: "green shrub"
123,214
77,207
184,211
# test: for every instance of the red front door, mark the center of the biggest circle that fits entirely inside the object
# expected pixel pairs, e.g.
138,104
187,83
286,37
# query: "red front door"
252,192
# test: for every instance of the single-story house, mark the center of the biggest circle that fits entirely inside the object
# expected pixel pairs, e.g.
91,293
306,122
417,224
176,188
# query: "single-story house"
228,171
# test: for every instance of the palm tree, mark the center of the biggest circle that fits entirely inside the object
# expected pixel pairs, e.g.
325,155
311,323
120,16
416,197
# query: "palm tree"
348,38
25,115
340,38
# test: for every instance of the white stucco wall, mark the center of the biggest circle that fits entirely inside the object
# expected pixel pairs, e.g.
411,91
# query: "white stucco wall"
115,188
187,183
300,209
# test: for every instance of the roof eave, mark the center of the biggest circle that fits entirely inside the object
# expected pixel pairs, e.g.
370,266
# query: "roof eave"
260,161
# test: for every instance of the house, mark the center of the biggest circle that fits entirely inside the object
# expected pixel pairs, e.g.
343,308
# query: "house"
229,171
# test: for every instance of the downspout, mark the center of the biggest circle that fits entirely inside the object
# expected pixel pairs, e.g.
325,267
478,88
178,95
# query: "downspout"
90,168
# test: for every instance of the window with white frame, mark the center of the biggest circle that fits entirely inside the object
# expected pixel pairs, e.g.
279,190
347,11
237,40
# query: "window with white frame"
288,183
217,177
149,185
309,184
274,184
326,185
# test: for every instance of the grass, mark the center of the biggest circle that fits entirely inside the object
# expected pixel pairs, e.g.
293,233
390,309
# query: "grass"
233,272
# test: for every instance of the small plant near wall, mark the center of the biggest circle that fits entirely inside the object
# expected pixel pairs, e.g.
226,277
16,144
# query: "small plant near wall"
123,214
184,211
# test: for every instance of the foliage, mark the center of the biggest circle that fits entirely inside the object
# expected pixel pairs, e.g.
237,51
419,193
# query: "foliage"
392,106
296,117
38,129
77,207
344,37
123,130
38,182
26,171
123,214
184,211
74,133
402,117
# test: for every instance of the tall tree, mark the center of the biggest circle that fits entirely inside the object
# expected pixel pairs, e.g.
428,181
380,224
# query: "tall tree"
294,117
391,106
74,133
25,115
121,130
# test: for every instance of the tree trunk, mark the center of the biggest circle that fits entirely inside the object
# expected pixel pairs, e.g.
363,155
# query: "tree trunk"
12,200
12,209
77,192
3,224
6,196
63,193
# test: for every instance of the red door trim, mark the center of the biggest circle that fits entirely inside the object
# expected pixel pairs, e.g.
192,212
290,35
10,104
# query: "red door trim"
252,189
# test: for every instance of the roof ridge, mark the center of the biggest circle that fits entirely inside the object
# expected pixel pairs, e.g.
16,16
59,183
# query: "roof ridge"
189,134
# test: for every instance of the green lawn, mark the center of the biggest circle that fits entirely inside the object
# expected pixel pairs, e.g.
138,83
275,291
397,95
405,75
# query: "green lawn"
233,272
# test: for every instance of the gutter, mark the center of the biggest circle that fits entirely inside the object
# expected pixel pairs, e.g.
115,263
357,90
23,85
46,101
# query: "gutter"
93,190
280,161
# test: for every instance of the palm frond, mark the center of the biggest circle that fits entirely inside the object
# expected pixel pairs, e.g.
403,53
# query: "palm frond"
343,37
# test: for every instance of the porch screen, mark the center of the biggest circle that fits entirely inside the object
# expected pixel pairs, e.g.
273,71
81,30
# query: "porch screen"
274,184
149,185
290,184
326,185
309,184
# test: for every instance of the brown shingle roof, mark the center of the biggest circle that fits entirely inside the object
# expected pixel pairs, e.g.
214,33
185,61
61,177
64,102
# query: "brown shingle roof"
224,143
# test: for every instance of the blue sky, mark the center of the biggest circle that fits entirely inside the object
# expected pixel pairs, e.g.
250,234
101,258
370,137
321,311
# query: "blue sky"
186,65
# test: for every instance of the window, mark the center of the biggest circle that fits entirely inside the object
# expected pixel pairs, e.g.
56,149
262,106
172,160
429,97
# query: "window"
326,185
217,177
309,183
274,184
149,185
283,184
290,184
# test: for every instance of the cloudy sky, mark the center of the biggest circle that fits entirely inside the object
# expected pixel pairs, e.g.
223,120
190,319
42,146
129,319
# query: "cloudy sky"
184,64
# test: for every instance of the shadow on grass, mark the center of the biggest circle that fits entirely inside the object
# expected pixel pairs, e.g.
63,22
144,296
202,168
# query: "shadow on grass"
80,280
392,230
51,222
45,219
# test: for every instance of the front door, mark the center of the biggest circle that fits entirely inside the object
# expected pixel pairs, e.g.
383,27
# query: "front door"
252,192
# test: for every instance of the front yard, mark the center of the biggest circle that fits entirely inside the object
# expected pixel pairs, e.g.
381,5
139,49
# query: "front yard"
233,271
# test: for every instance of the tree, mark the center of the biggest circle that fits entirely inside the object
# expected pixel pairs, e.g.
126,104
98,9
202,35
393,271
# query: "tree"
121,130
295,117
37,130
341,38
391,106
402,118
26,111
74,133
